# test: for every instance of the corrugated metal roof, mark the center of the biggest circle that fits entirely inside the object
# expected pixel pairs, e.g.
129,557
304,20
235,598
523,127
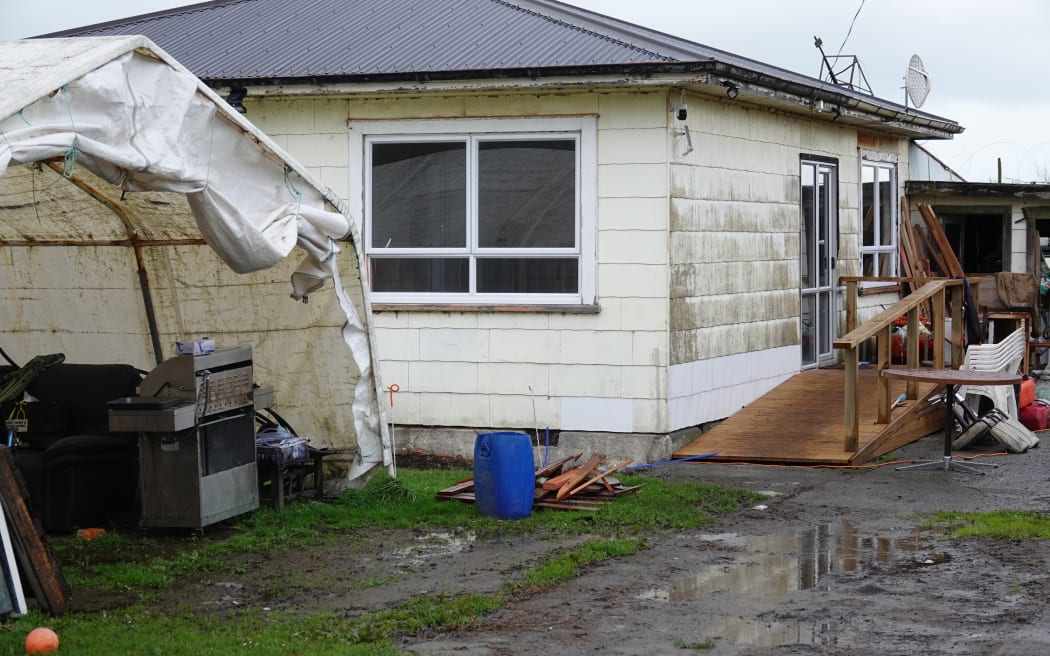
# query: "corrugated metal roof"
243,42
253,39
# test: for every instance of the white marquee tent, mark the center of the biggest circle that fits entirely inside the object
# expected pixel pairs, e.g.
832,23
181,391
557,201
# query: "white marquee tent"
138,208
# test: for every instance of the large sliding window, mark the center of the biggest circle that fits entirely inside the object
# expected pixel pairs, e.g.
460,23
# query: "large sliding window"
480,211
878,249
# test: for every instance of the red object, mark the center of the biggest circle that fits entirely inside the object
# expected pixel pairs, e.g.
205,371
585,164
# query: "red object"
1035,416
1027,394
41,640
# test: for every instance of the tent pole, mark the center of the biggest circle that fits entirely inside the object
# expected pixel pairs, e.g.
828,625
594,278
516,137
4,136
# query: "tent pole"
129,229
147,301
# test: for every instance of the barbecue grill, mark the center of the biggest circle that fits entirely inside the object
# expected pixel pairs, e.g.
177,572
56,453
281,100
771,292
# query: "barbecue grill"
195,417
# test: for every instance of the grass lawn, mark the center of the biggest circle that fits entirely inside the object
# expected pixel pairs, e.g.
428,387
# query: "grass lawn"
142,566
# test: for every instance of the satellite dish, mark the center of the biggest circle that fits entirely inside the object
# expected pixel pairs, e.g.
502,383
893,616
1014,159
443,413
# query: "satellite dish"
917,82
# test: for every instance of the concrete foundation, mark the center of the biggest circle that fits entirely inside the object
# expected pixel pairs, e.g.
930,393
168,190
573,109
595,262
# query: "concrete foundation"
641,448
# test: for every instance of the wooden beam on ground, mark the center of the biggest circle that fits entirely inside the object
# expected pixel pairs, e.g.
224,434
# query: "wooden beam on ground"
555,467
592,464
600,477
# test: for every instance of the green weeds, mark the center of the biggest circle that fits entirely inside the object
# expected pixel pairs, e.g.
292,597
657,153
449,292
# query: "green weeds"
1000,524
568,563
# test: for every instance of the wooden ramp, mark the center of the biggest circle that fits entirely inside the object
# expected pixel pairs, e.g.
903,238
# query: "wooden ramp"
801,421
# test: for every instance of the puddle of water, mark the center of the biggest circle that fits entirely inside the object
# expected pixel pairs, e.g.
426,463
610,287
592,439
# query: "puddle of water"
433,545
771,567
739,631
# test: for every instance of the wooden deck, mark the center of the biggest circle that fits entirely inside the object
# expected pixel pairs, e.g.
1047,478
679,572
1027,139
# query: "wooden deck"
801,421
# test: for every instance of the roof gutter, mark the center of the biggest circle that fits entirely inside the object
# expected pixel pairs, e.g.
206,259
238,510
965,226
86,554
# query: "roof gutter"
860,106
888,112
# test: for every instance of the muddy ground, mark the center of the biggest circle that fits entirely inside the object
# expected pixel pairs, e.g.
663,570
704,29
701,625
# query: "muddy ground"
833,562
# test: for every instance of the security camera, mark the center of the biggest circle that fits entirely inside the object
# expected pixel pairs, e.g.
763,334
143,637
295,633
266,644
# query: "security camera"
682,113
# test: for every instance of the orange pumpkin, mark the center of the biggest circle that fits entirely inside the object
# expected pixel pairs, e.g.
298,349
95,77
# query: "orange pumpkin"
41,640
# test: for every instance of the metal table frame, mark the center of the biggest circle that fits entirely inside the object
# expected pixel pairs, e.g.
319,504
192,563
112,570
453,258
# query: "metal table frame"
951,379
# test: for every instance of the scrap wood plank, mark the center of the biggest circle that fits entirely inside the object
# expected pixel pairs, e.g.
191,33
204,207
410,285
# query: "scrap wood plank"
602,493
462,497
561,505
39,565
626,490
556,467
456,488
933,224
579,474
908,232
931,251
559,480
597,478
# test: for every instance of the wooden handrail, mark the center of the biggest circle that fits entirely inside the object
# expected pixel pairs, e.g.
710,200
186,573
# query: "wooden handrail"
880,326
871,327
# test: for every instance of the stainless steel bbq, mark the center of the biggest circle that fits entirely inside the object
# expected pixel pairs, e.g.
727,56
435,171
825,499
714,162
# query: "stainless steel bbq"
195,416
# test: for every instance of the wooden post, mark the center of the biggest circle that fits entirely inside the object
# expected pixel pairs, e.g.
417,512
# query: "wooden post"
851,305
937,319
882,394
957,326
911,388
851,419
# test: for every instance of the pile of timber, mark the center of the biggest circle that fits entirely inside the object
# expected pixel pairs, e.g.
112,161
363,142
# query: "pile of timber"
566,484
920,244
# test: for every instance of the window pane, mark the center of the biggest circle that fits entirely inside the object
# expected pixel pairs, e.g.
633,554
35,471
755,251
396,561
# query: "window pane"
434,274
887,205
824,187
868,265
419,195
528,275
808,215
886,264
809,329
867,208
527,194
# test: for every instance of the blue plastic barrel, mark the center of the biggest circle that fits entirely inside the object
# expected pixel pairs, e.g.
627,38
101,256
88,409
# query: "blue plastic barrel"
504,475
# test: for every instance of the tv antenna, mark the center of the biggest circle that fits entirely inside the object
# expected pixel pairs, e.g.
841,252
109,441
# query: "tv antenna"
917,83
842,70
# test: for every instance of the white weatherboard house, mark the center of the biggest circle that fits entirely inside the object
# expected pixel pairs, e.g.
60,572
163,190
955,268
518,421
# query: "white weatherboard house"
569,221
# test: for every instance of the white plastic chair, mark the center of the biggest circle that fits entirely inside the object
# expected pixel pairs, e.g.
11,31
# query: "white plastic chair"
1007,356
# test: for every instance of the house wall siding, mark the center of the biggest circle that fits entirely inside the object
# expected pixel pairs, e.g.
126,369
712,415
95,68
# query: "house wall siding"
604,371
697,269
734,250
734,234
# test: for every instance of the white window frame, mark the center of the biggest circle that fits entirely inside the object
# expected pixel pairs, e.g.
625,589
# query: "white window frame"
880,163
583,129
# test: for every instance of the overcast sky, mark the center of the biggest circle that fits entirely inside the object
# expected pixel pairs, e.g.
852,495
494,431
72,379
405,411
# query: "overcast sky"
987,59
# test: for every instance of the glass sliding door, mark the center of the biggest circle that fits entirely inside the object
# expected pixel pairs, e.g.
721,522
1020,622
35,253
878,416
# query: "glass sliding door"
817,252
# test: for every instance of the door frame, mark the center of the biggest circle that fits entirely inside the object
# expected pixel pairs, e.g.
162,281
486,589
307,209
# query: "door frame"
819,256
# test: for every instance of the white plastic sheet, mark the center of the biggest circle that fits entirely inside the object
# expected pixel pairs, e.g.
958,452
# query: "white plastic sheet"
122,109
